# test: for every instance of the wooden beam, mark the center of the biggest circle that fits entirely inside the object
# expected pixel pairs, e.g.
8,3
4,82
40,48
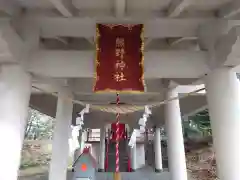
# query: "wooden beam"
209,33
147,42
120,7
158,64
12,45
63,6
61,40
177,7
9,7
227,48
91,41
179,40
230,10
85,27
84,86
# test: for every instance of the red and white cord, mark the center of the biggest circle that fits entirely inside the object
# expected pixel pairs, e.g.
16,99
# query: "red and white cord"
117,135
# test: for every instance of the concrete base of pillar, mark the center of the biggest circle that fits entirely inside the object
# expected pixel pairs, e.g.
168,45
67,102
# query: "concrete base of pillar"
101,170
158,170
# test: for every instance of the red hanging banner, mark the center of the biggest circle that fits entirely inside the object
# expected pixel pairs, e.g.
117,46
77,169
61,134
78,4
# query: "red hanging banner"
119,58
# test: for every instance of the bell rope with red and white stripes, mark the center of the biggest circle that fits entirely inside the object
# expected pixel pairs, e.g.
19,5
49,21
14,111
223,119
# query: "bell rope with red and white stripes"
117,135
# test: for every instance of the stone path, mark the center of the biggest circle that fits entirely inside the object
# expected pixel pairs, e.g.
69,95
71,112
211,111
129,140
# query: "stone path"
146,173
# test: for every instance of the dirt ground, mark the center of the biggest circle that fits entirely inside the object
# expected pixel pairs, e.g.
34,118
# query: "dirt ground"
36,173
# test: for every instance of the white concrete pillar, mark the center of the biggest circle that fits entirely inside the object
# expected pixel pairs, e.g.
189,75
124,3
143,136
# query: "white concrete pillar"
223,95
73,141
60,146
146,136
133,152
84,139
78,151
15,90
158,150
102,150
176,152
80,138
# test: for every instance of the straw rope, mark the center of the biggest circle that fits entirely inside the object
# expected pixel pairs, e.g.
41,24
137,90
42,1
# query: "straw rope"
122,109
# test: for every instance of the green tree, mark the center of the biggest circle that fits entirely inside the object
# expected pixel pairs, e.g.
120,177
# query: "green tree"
39,126
198,124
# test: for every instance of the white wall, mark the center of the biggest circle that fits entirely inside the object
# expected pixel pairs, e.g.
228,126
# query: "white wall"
140,155
95,150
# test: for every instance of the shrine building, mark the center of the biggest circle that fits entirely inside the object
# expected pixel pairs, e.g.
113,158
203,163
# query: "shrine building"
129,66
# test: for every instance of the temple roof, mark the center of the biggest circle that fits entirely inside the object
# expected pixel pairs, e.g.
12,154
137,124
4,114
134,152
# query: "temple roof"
54,40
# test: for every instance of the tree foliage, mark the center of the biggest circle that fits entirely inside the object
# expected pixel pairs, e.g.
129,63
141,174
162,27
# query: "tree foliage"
198,124
39,126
